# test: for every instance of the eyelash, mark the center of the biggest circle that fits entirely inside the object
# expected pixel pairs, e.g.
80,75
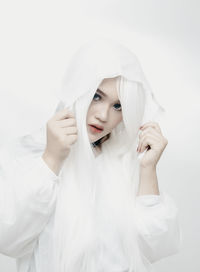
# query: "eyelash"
97,95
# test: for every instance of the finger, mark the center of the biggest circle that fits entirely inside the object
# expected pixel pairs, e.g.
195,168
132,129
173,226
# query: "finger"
147,140
69,122
73,138
154,125
63,114
149,130
70,130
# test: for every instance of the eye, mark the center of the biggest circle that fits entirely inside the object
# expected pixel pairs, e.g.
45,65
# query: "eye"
96,96
119,107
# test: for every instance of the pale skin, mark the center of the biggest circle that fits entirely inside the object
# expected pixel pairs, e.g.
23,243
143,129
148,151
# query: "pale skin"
61,134
104,110
150,135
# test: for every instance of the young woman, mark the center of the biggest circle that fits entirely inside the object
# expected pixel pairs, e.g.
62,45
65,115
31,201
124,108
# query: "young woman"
83,193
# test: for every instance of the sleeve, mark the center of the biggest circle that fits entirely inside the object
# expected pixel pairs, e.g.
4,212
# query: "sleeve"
157,221
27,200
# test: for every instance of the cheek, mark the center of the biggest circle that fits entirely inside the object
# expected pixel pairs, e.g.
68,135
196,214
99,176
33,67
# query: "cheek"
120,118
117,118
89,113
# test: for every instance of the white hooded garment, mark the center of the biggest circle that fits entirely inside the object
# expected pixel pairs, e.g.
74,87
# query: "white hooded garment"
89,217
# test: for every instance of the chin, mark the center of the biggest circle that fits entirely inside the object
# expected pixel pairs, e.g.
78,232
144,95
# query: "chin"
94,139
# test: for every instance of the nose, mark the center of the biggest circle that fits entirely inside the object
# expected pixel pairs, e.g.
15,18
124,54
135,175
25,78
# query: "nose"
102,114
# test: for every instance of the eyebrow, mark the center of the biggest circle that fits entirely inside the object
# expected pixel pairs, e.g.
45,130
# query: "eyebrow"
105,95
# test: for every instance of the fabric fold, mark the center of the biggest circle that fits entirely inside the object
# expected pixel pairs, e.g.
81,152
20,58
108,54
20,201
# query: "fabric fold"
159,232
26,203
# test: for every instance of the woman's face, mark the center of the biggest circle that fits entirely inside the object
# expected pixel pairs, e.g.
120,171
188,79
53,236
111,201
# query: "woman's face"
104,110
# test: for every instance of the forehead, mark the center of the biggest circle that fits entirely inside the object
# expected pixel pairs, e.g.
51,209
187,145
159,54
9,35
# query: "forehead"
109,87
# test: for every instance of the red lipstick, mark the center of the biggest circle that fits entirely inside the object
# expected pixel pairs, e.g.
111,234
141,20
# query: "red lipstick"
95,128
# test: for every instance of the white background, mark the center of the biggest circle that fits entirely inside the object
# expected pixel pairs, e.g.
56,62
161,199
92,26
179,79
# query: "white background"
37,39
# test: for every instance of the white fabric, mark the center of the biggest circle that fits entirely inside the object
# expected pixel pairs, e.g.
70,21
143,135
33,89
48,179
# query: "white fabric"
88,218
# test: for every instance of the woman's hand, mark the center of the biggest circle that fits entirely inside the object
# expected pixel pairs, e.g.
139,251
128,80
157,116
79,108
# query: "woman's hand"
61,135
151,138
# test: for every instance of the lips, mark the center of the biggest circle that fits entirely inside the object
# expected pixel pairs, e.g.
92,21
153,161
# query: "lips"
94,129
96,126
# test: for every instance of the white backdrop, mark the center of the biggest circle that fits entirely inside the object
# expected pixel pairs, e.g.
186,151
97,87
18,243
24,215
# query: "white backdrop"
37,39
